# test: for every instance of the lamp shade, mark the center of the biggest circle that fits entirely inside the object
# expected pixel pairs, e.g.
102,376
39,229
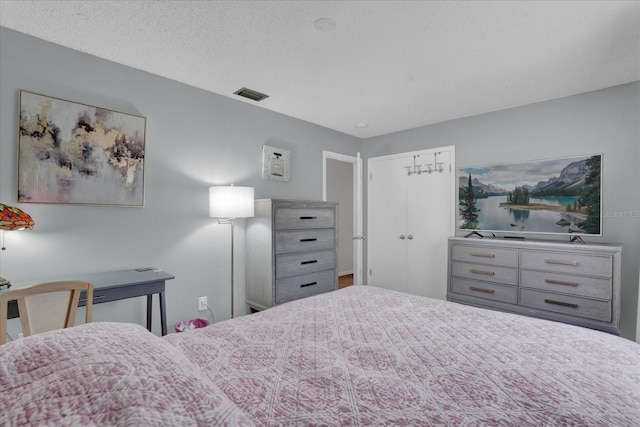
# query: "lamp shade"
231,202
14,219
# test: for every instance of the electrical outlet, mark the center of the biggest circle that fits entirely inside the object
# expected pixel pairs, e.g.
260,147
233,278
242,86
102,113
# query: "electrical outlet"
202,303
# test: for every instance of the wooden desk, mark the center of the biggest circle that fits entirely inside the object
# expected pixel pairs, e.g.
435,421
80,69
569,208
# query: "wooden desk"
114,286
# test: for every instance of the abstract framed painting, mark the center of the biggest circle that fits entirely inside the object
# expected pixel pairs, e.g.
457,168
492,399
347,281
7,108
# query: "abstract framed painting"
72,153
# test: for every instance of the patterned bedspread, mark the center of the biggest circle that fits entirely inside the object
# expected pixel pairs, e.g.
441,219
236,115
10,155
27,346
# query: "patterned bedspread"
368,356
355,357
106,374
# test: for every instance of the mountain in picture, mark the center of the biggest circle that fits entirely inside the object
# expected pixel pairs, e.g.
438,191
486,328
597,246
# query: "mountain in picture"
570,181
480,189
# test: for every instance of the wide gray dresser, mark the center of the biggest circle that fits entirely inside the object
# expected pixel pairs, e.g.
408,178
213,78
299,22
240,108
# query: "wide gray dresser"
565,282
291,251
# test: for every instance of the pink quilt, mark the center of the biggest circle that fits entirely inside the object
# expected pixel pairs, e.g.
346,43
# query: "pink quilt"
106,374
367,356
359,356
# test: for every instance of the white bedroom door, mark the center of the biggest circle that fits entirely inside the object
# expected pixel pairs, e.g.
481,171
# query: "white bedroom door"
386,235
410,215
348,191
429,216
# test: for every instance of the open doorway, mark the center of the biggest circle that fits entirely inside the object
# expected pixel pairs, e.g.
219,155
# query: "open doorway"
342,183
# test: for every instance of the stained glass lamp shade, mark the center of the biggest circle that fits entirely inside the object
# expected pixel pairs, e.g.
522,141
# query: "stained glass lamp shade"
14,219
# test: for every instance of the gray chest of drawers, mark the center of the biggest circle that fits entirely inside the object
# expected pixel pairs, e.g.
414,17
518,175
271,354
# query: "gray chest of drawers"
291,251
571,283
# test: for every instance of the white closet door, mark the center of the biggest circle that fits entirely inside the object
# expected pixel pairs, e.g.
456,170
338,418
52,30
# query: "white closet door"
418,228
387,219
428,222
409,220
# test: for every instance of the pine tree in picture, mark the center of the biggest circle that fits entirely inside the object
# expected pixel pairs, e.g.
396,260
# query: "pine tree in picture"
468,209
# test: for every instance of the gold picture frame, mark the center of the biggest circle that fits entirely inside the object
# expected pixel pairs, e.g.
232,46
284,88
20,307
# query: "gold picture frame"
73,153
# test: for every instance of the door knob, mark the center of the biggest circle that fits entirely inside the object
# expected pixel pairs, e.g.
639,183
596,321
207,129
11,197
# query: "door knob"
410,237
402,237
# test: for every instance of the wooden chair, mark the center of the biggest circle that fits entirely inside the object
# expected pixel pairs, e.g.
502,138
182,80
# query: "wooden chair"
45,306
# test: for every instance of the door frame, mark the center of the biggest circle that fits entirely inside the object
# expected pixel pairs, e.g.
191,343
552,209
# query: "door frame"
356,161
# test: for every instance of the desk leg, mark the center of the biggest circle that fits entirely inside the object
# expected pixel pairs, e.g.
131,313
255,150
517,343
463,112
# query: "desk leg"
163,314
149,310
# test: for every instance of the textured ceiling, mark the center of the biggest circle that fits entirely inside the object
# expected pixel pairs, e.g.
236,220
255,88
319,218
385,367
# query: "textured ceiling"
393,65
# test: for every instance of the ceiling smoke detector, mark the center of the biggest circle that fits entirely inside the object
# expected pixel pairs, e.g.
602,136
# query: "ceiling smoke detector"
251,94
324,24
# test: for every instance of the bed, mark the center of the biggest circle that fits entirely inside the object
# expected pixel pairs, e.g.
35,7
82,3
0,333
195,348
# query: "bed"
358,356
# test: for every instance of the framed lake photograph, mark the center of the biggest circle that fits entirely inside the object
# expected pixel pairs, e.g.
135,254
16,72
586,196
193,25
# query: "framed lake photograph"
75,153
552,196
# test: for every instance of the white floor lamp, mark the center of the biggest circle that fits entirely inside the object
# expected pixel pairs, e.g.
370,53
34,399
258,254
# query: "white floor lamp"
228,203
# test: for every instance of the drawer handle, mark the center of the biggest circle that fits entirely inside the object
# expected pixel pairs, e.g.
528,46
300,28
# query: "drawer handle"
308,284
561,262
486,291
308,240
308,217
486,273
563,304
483,254
308,262
560,282
97,297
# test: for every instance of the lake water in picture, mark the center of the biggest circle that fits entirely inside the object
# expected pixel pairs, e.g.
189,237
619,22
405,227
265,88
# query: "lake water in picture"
494,217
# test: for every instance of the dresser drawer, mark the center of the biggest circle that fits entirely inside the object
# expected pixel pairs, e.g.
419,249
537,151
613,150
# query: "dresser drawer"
301,218
492,291
492,256
292,288
292,251
562,281
585,286
567,262
303,263
487,273
304,240
566,304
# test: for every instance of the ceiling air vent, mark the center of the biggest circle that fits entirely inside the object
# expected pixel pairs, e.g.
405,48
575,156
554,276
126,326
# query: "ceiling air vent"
251,94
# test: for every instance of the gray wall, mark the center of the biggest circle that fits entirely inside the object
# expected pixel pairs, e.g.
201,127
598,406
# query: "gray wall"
194,139
605,121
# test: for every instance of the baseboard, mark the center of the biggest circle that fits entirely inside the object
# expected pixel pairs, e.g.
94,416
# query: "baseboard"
344,273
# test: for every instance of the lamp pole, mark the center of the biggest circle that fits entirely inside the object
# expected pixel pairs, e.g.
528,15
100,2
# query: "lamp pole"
228,203
232,269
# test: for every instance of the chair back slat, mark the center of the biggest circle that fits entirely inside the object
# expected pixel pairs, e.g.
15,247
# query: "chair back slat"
46,306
